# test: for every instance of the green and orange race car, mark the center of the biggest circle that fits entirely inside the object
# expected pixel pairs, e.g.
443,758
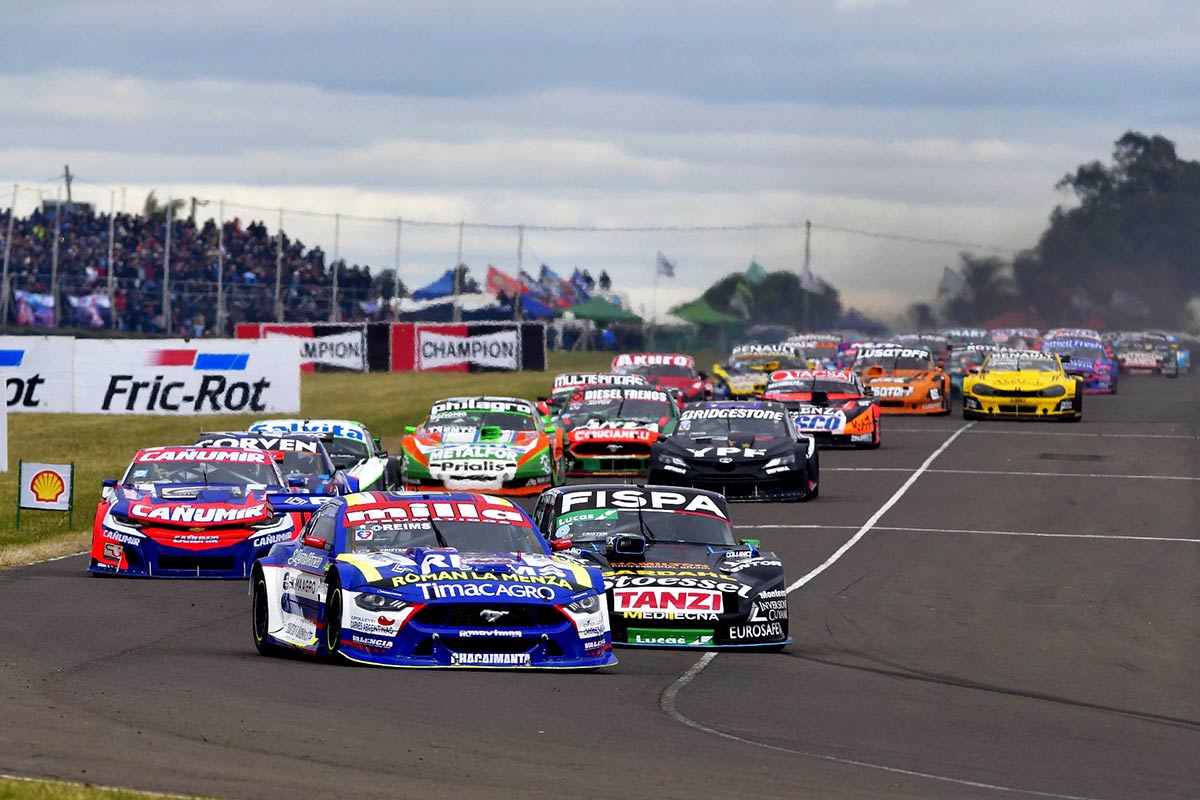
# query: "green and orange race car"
496,445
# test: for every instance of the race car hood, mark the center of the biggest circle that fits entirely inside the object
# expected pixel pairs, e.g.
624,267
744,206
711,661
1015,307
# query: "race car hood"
802,403
194,507
518,440
903,376
731,449
744,381
614,431
422,574
1022,379
737,568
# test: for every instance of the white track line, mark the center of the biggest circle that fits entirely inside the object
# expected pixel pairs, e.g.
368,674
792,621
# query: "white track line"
982,431
1118,537
667,700
1019,474
46,561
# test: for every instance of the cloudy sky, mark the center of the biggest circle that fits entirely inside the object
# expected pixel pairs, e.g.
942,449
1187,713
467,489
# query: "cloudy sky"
946,119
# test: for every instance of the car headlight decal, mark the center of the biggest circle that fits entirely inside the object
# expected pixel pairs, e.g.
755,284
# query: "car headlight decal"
1053,391
586,605
369,601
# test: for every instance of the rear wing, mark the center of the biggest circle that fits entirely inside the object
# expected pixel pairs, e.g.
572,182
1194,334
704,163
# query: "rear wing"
301,503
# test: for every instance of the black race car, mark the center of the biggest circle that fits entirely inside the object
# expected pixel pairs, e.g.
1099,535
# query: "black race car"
745,450
676,575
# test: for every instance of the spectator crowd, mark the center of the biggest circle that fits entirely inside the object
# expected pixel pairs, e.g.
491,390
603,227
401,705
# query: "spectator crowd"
249,263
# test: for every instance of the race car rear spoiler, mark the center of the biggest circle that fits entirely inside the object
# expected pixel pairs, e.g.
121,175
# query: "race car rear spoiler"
283,501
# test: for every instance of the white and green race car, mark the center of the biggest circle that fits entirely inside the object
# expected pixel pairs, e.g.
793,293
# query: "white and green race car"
352,449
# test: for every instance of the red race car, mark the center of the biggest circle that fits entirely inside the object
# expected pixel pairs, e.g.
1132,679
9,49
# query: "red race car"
669,372
832,406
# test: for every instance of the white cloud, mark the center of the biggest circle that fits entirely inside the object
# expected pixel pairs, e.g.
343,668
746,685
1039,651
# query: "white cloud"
867,5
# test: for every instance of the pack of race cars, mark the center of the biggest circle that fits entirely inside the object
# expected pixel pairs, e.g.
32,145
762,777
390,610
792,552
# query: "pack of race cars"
422,559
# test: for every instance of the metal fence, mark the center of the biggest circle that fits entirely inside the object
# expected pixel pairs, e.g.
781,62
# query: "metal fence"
280,288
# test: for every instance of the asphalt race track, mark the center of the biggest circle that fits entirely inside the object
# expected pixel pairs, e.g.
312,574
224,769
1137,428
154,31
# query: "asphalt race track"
1021,621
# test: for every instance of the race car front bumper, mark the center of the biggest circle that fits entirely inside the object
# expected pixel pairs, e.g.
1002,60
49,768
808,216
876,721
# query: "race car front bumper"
1020,407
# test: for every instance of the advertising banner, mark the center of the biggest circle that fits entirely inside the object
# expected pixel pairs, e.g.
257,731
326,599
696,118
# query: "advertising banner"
457,347
329,346
38,372
180,376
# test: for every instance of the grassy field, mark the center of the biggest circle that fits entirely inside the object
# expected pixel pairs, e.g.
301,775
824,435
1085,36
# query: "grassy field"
19,789
101,446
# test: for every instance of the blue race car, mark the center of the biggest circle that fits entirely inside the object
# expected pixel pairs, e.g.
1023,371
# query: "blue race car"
1090,359
302,454
193,512
411,579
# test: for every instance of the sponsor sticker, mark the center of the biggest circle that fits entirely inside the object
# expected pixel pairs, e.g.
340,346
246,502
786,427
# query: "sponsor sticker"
669,636
490,659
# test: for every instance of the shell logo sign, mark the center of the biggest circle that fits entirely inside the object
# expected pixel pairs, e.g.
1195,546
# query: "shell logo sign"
46,487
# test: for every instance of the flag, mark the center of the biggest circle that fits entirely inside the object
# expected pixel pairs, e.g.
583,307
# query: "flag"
498,282
755,274
35,309
809,282
665,268
91,310
555,287
952,283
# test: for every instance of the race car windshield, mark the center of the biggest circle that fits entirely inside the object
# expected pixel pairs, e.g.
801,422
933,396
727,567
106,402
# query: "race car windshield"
346,452
627,410
892,363
1076,353
238,474
503,420
1020,364
466,537
818,352
303,463
758,361
807,386
658,525
661,371
721,427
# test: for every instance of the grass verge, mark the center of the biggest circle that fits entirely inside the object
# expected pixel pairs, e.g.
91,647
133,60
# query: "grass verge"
29,789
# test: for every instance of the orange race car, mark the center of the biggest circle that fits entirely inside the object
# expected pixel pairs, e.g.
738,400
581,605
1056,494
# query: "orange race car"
904,380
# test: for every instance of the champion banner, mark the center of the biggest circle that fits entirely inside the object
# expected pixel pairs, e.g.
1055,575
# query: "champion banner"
456,346
474,346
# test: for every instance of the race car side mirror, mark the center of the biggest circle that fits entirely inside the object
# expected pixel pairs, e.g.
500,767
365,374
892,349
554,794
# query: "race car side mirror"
559,545
410,428
662,437
941,364
109,483
543,407
297,481
702,375
316,542
974,370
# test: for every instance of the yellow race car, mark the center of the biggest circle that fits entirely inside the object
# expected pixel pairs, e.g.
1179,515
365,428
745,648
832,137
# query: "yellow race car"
749,367
1022,384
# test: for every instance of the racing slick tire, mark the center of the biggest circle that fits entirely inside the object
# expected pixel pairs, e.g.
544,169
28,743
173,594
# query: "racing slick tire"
391,474
1078,415
812,474
333,619
259,617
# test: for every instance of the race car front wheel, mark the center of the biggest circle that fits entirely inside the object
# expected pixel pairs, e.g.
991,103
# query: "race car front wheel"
333,619
1078,415
260,616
